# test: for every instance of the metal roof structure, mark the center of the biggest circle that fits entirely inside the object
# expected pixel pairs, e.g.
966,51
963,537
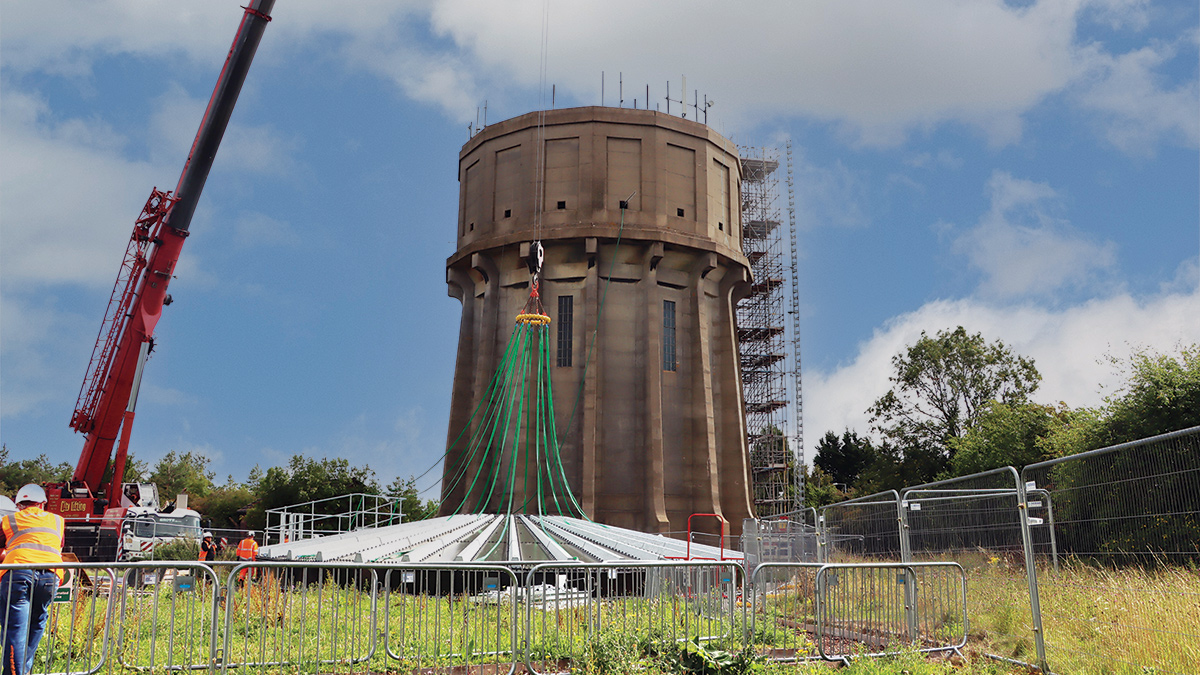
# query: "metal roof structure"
493,538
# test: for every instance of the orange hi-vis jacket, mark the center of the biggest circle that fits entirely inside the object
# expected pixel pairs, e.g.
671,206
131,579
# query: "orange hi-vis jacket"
33,536
247,549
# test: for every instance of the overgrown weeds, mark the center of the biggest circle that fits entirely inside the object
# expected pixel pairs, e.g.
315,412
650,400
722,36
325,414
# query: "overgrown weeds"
1118,621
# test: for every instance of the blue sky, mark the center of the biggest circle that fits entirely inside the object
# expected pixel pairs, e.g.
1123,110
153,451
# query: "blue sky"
1029,170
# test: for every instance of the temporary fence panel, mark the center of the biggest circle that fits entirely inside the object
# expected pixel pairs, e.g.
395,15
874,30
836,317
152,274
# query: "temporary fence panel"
1127,531
866,527
783,610
447,618
779,540
129,616
76,639
586,615
873,609
166,617
300,615
1114,532
980,521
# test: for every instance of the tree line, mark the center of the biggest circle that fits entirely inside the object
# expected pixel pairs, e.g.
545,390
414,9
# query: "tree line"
233,504
959,404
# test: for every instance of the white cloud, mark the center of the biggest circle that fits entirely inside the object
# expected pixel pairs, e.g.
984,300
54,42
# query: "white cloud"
38,340
1137,106
944,158
913,63
72,192
173,125
1068,346
64,37
1119,14
70,197
827,195
442,79
165,396
1022,250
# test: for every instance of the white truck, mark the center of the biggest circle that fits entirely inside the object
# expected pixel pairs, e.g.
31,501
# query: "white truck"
138,526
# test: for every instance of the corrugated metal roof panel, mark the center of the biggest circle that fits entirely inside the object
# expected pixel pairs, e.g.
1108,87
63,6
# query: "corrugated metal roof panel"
494,537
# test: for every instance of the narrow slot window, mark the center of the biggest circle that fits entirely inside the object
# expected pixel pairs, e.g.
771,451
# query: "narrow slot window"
668,353
566,310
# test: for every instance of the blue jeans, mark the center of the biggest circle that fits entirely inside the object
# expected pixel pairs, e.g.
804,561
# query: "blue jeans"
25,596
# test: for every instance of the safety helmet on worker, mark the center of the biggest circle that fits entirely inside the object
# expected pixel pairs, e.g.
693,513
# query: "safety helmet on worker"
31,493
7,506
208,535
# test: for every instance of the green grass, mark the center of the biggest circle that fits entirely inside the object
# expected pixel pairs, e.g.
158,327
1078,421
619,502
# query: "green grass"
1127,621
1098,621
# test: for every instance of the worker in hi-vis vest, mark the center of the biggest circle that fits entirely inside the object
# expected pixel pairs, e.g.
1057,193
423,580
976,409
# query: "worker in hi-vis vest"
208,548
31,535
247,550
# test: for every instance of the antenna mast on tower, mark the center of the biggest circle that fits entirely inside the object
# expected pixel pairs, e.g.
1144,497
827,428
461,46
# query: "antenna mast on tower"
798,389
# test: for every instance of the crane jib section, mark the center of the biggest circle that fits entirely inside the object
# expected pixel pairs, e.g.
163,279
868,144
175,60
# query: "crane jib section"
141,289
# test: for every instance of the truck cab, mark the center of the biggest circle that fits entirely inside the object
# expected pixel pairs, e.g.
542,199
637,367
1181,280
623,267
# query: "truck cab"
145,530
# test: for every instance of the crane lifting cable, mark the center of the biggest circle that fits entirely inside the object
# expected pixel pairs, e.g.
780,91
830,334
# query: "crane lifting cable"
511,462
489,411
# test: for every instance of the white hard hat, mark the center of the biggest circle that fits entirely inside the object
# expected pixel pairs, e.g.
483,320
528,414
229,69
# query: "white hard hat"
208,535
31,493
7,506
251,533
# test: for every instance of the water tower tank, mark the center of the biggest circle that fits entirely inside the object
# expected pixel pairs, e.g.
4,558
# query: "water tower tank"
645,359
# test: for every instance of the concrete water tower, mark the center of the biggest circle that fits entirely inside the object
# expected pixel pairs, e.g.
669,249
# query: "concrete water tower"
656,430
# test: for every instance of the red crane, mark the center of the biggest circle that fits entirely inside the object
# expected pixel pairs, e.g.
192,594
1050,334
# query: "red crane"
108,395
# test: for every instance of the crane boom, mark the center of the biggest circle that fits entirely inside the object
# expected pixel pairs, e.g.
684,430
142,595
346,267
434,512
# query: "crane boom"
140,293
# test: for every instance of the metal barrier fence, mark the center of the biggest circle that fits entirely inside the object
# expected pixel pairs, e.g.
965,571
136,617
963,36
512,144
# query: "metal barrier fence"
981,521
886,607
131,616
174,630
866,527
600,612
439,618
783,610
1086,563
1082,564
781,540
288,614
1127,528
856,609
352,617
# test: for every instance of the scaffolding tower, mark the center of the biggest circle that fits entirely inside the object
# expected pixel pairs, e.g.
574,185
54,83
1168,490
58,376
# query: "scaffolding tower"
761,338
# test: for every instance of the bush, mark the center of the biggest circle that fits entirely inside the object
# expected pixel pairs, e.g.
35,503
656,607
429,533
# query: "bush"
694,658
178,549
